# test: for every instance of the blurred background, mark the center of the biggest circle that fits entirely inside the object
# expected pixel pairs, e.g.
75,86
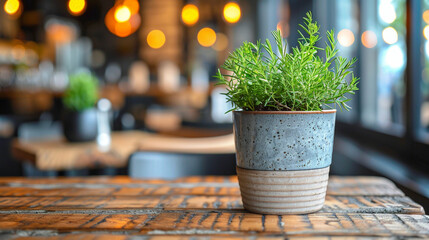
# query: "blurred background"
154,63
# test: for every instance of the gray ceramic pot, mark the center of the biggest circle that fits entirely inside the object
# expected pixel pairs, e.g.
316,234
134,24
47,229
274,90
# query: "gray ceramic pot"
283,159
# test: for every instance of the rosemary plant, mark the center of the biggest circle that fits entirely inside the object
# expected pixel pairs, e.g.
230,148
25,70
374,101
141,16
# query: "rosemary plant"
295,81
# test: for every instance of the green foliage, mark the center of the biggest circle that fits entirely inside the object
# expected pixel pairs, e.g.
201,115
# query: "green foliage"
295,81
82,92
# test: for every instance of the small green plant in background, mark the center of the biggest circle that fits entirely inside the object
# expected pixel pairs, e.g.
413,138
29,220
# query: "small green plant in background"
295,81
82,92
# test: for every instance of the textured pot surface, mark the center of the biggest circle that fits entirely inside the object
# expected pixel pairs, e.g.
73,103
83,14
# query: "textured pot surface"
283,192
80,126
284,140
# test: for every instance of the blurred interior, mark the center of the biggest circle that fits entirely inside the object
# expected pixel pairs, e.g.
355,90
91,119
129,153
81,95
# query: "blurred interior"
155,61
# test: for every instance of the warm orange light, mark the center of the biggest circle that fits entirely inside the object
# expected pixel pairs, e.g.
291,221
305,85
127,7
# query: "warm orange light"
426,32
232,12
121,29
279,27
283,28
133,5
155,39
122,14
390,35
206,37
11,6
426,16
221,42
346,38
60,34
76,7
190,14
369,39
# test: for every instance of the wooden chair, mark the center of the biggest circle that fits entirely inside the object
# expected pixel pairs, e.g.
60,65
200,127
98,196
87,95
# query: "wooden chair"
168,165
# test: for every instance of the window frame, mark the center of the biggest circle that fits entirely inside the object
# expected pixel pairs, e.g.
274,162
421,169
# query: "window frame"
409,147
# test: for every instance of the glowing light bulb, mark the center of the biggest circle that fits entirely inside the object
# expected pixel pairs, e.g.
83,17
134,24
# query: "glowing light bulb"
76,7
122,14
426,16
232,12
121,29
387,12
346,38
156,39
206,37
390,35
394,57
190,14
11,6
426,32
369,39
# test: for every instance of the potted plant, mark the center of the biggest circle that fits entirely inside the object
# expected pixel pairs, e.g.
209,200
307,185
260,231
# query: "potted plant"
80,115
283,135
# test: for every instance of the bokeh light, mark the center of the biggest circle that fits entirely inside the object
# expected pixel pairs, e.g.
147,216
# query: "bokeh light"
387,12
190,14
221,42
284,29
395,57
59,33
232,12
156,39
346,38
279,27
369,39
426,32
76,7
390,35
206,37
11,7
125,28
122,14
426,16
133,6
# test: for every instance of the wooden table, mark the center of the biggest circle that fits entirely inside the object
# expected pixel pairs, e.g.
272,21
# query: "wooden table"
58,154
197,208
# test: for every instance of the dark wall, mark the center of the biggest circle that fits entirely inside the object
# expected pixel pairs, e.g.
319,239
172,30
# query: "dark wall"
8,165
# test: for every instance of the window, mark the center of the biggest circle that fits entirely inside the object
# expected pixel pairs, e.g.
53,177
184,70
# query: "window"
424,86
382,65
347,30
391,110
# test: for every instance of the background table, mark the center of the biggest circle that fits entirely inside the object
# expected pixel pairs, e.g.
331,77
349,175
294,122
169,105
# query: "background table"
58,154
97,207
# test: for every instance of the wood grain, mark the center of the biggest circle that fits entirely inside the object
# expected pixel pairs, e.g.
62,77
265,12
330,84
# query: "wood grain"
86,236
338,204
210,185
197,208
164,223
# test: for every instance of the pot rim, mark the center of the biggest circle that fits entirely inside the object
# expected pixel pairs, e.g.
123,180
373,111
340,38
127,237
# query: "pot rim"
288,112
